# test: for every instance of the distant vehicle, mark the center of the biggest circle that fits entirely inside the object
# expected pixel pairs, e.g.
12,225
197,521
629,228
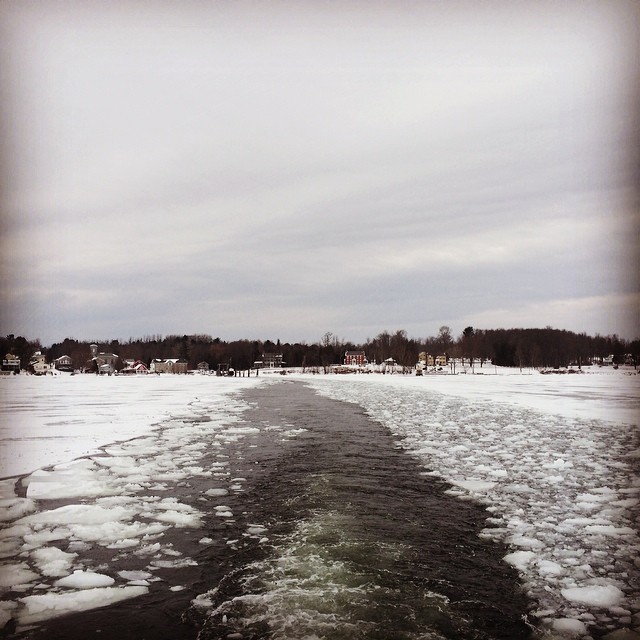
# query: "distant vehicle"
224,369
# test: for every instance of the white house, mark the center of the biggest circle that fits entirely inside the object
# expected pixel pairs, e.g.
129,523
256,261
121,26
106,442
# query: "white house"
38,365
168,365
103,363
63,363
11,363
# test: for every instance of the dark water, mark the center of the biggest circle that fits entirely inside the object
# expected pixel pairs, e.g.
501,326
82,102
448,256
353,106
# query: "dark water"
336,535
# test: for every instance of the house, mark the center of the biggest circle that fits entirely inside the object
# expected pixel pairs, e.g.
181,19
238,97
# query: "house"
203,367
63,363
427,360
168,365
272,360
38,365
101,362
389,364
11,363
134,368
357,358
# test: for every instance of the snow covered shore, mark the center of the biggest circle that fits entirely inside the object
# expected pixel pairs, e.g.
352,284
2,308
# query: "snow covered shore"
52,419
554,459
118,497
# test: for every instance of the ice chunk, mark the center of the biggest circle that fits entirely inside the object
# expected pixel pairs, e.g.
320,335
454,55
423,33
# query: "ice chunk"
520,559
256,529
526,542
622,634
559,463
6,610
14,508
79,513
14,574
609,530
53,562
135,575
180,519
549,568
71,480
595,596
51,605
569,628
478,486
125,543
80,579
216,492
174,564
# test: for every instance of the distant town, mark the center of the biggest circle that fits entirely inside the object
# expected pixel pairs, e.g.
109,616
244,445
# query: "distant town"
388,352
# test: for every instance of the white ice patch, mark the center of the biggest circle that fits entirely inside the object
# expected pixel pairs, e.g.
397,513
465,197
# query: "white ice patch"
12,575
69,417
569,627
595,596
78,478
520,559
6,612
474,486
12,508
135,575
215,493
80,579
53,562
111,489
50,605
79,514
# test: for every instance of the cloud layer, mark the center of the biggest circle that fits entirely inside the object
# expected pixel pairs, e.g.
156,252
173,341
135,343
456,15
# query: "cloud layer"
279,171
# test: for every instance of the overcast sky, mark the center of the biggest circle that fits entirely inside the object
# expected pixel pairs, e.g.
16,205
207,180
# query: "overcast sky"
283,169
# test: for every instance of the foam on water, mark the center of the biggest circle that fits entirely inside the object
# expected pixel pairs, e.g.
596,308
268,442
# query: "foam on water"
319,584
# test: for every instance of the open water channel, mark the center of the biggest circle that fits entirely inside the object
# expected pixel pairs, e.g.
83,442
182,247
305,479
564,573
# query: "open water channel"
333,532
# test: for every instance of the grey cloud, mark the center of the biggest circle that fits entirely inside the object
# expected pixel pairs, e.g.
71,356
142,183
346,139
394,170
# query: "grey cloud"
222,166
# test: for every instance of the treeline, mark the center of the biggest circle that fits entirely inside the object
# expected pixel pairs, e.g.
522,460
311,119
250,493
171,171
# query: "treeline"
541,348
544,348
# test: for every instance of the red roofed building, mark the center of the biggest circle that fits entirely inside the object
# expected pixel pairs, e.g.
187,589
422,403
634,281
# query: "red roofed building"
357,358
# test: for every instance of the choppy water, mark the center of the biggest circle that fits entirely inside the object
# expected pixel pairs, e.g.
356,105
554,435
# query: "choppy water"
335,534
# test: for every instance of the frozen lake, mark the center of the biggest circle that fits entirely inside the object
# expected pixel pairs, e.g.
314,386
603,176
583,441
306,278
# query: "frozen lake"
551,462
45,420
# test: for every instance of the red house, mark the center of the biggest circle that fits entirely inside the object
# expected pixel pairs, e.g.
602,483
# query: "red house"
135,368
357,358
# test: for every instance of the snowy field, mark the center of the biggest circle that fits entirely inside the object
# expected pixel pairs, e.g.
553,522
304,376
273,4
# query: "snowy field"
56,430
52,419
553,458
